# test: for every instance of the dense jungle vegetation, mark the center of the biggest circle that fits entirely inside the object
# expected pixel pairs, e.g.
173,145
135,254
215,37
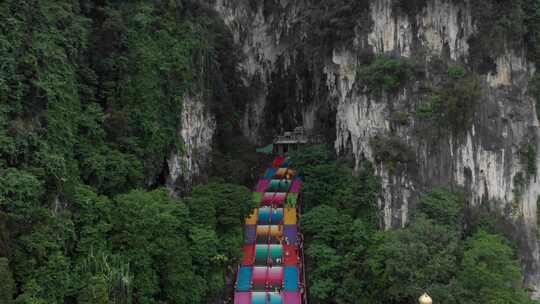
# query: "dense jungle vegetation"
90,99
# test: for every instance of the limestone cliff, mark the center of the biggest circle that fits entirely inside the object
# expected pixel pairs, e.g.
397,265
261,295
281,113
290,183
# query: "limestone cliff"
197,132
317,86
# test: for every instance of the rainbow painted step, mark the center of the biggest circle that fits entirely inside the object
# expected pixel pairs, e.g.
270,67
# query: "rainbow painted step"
271,270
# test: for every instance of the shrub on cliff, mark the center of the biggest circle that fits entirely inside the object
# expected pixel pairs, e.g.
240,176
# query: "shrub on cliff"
386,74
451,107
391,151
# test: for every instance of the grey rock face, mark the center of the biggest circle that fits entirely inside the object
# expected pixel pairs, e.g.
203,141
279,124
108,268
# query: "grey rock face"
190,164
484,161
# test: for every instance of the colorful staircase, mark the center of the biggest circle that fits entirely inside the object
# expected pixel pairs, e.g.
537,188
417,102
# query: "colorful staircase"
271,271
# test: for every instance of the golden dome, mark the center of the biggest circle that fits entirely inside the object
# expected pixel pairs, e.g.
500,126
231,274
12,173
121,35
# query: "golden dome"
425,299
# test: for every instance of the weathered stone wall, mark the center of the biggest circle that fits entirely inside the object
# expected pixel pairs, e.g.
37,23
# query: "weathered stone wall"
197,132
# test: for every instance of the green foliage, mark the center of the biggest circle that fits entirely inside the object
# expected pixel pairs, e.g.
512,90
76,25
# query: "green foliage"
311,156
29,295
217,211
408,261
430,109
489,272
106,277
91,217
157,58
386,74
111,171
403,263
331,182
391,151
149,229
452,107
430,254
7,285
459,99
338,223
442,206
95,293
325,224
326,276
456,71
98,99
232,203
90,108
145,246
